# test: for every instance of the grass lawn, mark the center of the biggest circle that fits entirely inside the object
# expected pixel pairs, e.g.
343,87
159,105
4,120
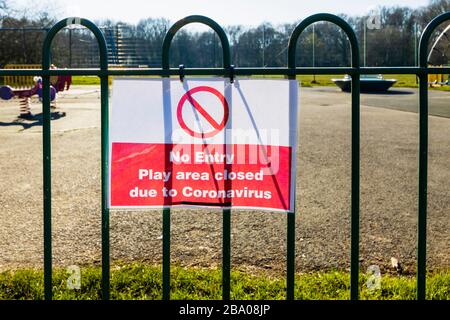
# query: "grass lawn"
403,80
85,80
141,281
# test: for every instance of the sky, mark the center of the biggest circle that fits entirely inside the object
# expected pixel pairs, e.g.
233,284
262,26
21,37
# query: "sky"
225,12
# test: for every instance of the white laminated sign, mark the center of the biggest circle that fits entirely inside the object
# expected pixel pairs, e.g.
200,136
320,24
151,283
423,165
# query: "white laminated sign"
203,142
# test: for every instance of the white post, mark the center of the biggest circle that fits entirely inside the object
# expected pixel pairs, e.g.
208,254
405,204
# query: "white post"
263,46
365,40
415,44
314,50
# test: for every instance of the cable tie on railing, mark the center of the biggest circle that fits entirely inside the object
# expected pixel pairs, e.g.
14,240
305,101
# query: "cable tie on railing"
232,73
181,71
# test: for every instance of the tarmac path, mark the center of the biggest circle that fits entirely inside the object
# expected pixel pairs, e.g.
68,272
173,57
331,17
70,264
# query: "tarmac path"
389,147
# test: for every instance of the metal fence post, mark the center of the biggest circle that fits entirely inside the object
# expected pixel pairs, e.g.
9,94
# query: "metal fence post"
355,149
423,154
355,200
226,213
46,62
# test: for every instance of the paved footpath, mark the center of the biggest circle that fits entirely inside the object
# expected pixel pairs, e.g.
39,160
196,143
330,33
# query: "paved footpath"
388,192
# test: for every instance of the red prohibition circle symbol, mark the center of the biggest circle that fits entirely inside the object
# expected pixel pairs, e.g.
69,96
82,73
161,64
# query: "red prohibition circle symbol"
188,97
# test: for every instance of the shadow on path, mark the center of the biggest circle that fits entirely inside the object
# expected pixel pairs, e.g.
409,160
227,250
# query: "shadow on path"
38,121
389,92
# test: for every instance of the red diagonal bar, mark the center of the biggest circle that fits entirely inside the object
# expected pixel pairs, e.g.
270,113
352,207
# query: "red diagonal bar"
203,112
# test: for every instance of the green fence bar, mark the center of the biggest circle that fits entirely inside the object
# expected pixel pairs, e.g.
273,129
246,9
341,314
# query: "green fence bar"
354,244
166,254
422,190
226,254
423,155
46,138
46,62
104,172
226,213
227,70
354,263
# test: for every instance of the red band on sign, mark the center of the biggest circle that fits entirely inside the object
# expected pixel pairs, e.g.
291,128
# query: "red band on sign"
140,174
218,127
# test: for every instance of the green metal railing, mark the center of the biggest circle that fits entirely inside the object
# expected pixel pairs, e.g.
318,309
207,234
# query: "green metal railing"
228,70
354,257
46,62
226,213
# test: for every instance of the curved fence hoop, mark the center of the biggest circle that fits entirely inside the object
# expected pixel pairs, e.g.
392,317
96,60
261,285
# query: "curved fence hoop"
423,155
355,118
426,35
226,257
323,17
46,135
196,19
46,59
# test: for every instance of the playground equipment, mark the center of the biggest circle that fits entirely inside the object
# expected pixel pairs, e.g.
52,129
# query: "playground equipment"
24,87
20,82
443,52
438,79
368,83
7,93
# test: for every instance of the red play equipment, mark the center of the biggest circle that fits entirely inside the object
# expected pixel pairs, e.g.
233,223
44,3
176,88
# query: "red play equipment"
58,84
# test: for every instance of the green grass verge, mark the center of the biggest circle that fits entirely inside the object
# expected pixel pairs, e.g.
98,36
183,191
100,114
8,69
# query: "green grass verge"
141,281
403,80
85,80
